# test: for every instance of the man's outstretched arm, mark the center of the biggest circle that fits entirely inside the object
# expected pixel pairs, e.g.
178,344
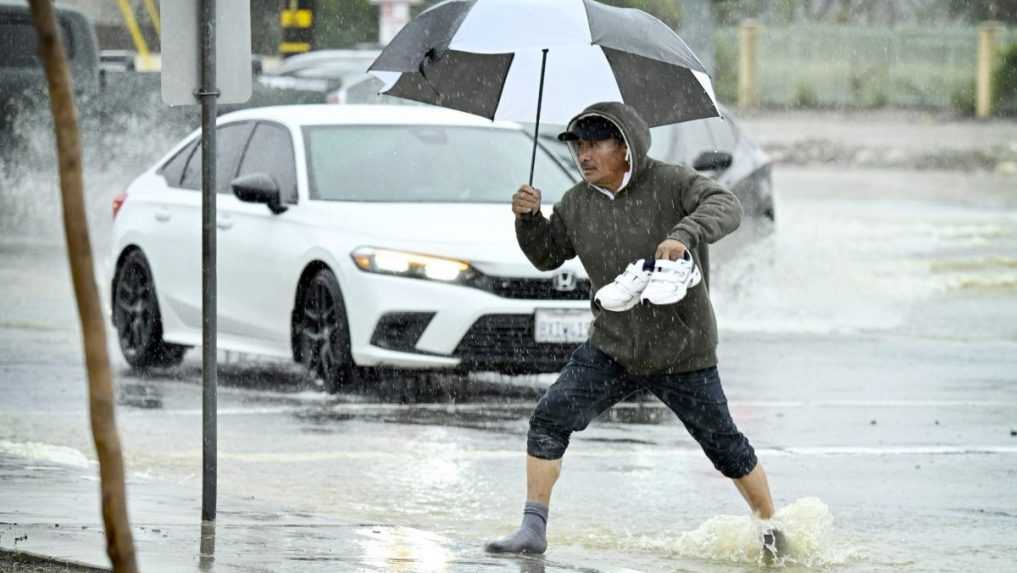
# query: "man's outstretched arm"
545,243
713,211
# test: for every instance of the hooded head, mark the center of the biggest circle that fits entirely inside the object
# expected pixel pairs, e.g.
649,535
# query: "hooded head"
609,142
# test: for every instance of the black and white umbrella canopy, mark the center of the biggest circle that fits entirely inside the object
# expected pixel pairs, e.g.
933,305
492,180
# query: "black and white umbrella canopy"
485,57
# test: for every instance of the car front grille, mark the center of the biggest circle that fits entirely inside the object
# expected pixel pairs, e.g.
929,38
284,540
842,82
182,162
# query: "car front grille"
505,343
533,289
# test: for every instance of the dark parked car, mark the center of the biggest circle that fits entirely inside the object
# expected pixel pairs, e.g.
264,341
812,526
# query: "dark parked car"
22,78
720,148
20,69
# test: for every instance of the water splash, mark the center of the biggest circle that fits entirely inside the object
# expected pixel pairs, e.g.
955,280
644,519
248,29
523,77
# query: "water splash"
843,266
122,133
807,525
780,286
45,453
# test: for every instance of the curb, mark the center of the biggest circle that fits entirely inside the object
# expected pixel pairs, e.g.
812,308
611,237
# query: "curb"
19,557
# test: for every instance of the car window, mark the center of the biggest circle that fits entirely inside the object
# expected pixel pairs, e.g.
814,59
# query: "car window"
663,140
229,141
694,137
18,44
426,164
723,133
561,152
271,151
173,170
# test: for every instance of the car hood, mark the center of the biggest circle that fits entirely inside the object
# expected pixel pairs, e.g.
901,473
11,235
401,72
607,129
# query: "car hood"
481,234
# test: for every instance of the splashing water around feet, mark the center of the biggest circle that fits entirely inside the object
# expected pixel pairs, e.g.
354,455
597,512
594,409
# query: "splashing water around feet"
807,525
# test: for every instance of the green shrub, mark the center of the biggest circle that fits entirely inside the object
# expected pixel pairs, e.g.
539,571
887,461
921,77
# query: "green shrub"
875,96
805,95
725,80
1005,82
962,98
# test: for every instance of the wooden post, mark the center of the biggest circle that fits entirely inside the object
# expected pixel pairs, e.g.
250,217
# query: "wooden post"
988,36
748,87
119,542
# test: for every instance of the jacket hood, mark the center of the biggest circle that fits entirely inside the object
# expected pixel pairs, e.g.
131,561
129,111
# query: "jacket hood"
635,131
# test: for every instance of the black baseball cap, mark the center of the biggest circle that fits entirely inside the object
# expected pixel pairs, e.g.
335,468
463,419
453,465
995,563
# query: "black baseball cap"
591,128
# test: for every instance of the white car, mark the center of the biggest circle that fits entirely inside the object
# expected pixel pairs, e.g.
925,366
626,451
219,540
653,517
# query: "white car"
348,237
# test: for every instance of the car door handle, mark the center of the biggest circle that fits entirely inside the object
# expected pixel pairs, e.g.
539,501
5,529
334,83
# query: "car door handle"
224,223
162,215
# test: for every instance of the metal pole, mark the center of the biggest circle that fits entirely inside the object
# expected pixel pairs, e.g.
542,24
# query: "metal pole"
208,94
536,127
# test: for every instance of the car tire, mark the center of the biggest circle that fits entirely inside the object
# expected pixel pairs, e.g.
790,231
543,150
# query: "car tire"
137,319
322,333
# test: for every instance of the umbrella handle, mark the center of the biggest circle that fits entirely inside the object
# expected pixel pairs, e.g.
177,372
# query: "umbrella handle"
540,102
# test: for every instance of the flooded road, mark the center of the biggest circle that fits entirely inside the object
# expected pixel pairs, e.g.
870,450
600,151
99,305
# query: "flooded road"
868,350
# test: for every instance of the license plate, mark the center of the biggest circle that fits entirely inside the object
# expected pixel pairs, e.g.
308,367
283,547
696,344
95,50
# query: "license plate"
562,326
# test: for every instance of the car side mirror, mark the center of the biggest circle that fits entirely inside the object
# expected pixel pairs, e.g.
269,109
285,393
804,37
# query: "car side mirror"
258,188
713,161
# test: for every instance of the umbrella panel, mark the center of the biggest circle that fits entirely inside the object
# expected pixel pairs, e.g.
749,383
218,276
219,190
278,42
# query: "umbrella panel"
506,86
458,80
660,92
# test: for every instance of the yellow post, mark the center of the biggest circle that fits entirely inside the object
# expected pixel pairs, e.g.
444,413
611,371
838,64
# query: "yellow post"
297,21
153,13
132,26
988,35
748,88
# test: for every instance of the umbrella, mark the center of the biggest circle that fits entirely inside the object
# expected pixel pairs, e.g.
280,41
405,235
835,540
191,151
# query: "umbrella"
519,59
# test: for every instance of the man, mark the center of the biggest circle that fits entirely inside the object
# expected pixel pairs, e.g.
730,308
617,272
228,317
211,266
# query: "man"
654,326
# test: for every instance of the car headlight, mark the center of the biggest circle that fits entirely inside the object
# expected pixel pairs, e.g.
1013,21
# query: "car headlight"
412,265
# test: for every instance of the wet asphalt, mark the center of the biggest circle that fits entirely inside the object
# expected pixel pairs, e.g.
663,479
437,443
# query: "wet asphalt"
868,351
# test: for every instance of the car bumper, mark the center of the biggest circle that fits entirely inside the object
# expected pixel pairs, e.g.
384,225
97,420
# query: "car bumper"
413,323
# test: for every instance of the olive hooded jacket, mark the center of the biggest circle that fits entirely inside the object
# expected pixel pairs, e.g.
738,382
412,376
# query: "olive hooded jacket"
658,201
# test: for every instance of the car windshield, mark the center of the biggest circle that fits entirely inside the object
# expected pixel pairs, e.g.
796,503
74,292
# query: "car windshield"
426,164
18,45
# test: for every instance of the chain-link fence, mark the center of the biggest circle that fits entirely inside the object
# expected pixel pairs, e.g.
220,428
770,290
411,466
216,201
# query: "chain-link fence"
858,66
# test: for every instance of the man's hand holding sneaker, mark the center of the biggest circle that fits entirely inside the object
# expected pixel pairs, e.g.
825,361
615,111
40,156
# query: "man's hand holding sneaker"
664,280
671,250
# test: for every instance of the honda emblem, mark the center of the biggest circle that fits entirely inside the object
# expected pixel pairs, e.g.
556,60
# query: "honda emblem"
564,281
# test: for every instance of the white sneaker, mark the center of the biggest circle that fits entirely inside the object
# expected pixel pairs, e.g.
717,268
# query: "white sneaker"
623,292
671,280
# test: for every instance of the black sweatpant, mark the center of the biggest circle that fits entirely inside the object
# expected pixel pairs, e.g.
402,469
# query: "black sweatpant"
592,382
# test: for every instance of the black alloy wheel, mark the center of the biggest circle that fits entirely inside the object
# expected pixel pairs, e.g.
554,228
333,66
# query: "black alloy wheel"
323,332
137,319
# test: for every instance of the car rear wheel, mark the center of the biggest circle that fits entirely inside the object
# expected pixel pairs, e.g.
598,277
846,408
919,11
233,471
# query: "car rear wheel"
137,319
322,332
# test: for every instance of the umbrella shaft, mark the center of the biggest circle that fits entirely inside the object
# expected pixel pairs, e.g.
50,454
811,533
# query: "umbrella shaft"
536,127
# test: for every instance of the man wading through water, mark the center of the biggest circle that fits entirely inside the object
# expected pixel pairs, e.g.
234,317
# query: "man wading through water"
654,326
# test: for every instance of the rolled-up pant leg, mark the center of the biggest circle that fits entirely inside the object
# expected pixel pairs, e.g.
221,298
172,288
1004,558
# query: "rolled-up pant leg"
589,384
699,401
